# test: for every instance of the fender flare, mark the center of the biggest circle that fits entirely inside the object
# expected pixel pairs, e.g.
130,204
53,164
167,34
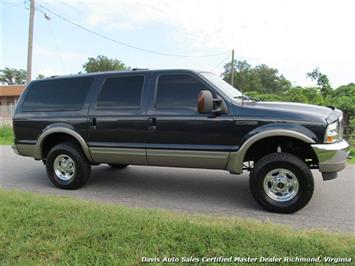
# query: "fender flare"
235,162
66,130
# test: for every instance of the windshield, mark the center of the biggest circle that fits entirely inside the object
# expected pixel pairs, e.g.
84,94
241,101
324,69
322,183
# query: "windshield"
227,89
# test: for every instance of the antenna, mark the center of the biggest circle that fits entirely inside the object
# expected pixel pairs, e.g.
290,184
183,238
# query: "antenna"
232,68
232,76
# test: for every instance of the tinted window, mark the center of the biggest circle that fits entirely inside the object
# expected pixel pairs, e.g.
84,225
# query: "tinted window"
121,92
178,91
57,94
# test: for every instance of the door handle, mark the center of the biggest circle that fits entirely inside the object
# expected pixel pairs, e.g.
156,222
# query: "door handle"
152,124
92,123
152,120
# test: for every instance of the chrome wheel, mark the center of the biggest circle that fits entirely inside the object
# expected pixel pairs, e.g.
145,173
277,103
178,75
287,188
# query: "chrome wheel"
281,185
64,167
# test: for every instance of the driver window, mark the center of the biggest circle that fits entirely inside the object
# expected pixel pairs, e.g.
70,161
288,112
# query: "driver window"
178,91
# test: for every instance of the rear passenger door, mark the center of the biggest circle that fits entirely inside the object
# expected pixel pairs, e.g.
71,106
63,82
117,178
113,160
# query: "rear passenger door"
117,120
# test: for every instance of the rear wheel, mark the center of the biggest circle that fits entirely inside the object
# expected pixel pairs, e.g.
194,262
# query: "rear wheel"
118,166
67,167
281,182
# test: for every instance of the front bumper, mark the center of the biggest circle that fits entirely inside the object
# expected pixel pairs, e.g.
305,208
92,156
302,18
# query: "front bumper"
331,158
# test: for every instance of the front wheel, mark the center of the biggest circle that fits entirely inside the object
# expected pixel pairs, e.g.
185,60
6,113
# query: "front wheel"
281,182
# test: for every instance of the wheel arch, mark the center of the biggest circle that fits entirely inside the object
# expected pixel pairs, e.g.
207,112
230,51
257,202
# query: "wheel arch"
236,159
62,130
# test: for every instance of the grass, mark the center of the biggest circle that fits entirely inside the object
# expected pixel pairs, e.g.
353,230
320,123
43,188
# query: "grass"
352,149
352,152
44,230
6,135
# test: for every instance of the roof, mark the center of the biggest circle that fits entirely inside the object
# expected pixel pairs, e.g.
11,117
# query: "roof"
136,71
11,90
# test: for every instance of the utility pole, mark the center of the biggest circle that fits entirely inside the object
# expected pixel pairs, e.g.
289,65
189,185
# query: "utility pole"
232,68
30,42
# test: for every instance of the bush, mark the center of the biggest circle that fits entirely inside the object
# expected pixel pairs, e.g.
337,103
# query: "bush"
6,135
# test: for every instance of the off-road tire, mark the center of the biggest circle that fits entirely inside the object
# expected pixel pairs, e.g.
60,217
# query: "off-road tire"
289,162
82,166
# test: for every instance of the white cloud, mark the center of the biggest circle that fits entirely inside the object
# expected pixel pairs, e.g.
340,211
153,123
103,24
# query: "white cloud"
47,52
51,62
294,36
48,71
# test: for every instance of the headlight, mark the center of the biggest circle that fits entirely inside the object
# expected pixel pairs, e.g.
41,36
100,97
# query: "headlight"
332,133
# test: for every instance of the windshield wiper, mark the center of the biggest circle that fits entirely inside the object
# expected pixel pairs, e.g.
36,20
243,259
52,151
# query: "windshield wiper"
247,98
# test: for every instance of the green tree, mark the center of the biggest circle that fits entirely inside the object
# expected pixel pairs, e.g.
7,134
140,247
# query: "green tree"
343,98
296,95
321,80
40,76
243,76
12,76
313,96
271,80
261,79
103,63
266,96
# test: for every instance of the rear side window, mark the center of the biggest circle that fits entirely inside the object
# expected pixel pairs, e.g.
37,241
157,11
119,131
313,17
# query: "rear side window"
121,92
178,91
57,94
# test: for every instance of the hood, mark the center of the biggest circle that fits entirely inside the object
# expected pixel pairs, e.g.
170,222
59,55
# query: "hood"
294,111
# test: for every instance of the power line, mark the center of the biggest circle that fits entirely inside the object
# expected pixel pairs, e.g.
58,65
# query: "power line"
220,63
196,37
123,43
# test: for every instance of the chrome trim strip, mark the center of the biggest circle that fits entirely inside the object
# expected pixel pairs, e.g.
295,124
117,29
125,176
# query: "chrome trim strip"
236,159
260,119
155,146
28,142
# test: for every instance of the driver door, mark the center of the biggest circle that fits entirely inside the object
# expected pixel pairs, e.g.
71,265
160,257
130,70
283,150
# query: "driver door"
180,136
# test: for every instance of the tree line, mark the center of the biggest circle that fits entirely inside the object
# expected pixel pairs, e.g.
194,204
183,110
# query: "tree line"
267,84
260,82
12,76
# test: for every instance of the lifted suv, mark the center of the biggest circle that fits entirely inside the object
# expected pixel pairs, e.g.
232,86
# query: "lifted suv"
179,118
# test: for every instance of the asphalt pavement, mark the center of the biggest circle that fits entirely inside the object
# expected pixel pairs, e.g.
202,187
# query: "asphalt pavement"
195,191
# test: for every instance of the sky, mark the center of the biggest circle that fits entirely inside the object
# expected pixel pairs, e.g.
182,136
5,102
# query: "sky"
293,36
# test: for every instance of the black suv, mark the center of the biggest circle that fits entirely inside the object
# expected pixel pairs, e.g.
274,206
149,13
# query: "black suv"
179,118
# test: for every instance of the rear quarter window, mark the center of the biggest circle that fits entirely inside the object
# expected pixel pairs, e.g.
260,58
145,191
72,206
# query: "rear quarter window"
57,94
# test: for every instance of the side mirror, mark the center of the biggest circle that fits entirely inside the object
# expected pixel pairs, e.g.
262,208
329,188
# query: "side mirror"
206,104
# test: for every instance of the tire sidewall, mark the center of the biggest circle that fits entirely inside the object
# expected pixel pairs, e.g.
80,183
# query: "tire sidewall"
80,175
304,178
286,165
